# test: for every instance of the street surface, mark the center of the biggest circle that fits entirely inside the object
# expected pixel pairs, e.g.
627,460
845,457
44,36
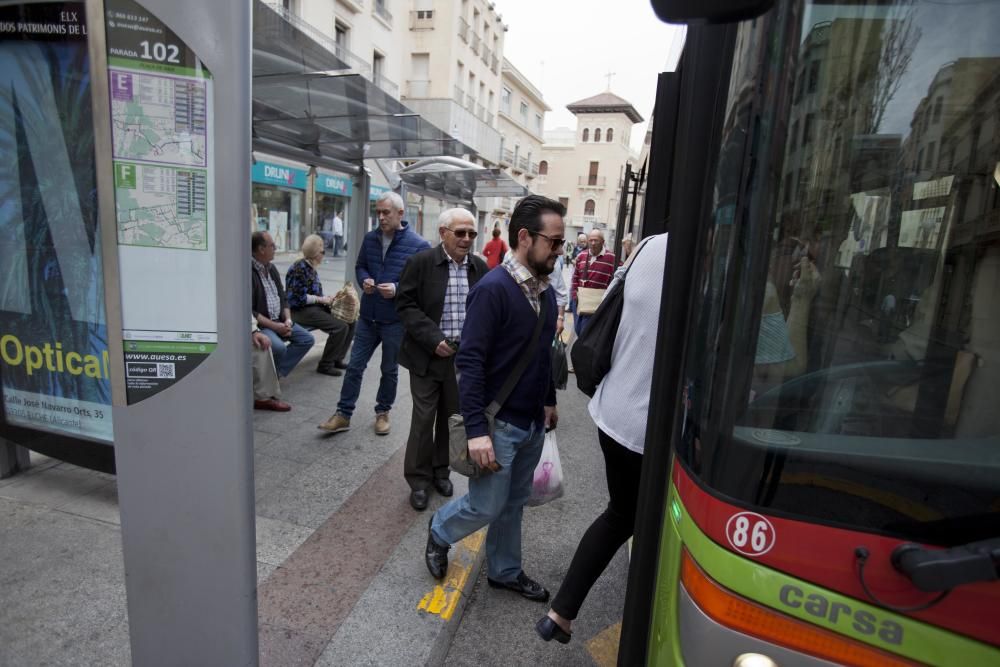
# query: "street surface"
341,578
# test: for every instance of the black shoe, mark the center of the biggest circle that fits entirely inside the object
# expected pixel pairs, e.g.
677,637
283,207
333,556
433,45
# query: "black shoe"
524,585
418,499
444,487
340,365
328,370
548,630
435,556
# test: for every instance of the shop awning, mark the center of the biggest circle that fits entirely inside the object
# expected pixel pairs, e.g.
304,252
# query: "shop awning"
461,180
312,103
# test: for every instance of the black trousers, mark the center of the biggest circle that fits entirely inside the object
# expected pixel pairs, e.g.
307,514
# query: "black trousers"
318,317
435,398
607,533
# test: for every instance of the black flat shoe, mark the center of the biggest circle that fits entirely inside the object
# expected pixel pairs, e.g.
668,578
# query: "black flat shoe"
418,499
444,487
435,555
524,585
548,630
327,370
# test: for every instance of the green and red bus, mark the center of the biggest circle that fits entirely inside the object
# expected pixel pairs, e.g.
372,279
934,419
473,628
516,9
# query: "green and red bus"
822,475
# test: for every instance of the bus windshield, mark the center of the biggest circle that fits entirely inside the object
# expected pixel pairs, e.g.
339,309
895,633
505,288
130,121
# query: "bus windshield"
856,232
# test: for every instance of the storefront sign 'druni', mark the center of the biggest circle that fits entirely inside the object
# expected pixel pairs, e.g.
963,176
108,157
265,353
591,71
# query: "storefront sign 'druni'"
334,185
278,174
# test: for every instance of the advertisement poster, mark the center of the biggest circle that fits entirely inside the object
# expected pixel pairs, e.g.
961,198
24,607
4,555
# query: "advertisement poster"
161,130
54,366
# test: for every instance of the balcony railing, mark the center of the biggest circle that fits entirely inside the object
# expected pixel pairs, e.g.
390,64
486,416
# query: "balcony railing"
481,112
470,103
381,11
459,95
593,181
495,64
583,220
353,61
534,169
507,156
463,30
515,164
422,19
522,163
476,43
418,88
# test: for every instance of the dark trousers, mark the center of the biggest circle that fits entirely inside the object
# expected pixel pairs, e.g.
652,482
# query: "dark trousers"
608,532
318,317
435,398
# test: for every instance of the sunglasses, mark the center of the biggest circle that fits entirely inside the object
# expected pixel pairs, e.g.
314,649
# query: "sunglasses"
554,243
464,233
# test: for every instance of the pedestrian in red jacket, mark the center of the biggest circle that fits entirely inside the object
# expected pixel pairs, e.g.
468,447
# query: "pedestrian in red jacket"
494,250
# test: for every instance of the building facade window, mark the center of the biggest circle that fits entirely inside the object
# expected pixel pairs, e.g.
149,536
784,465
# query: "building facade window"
543,168
565,202
524,114
611,135
589,206
938,105
813,76
538,124
592,174
597,135
586,135
505,101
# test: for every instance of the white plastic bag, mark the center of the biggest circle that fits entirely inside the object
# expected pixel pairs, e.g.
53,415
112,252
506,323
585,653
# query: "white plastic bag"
547,484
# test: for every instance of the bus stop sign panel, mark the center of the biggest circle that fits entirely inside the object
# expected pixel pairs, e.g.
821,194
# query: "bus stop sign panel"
161,131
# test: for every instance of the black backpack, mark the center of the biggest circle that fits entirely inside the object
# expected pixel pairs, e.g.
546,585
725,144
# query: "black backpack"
591,353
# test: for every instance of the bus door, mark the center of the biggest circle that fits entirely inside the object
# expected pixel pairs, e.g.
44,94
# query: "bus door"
826,485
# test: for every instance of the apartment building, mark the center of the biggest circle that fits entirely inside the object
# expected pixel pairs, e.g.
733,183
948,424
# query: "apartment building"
442,59
452,53
521,123
584,167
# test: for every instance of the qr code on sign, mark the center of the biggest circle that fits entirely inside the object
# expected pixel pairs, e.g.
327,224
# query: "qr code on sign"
165,371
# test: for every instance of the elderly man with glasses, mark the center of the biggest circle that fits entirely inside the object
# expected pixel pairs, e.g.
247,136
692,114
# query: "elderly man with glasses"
431,304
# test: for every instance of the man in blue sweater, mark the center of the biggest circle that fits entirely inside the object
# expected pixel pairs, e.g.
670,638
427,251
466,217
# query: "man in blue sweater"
381,258
502,311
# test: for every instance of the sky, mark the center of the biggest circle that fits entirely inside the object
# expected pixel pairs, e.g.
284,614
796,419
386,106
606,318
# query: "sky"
567,47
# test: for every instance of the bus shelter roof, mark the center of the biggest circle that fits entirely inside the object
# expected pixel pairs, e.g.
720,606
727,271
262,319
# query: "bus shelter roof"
311,102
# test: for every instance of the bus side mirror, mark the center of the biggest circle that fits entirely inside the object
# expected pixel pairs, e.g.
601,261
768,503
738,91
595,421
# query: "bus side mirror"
713,11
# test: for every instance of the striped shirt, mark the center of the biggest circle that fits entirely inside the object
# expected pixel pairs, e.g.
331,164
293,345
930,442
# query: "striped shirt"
597,273
453,315
270,290
530,285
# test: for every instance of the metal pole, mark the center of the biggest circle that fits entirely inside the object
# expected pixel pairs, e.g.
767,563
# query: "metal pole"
184,456
357,222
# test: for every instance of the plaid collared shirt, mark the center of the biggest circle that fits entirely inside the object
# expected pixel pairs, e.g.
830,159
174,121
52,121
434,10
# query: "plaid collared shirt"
270,290
530,285
453,315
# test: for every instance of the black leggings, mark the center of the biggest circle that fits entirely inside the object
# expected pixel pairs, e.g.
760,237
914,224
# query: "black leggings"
608,532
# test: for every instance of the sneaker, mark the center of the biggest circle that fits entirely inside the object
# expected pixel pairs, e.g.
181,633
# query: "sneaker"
382,423
336,424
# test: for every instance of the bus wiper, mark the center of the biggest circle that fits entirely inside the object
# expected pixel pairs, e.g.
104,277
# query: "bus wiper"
934,570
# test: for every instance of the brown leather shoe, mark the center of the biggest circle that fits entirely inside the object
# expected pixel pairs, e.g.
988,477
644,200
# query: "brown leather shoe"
271,404
382,423
336,424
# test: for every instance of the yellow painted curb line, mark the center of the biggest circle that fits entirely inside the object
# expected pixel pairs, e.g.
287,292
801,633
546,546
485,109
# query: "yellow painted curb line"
603,648
443,600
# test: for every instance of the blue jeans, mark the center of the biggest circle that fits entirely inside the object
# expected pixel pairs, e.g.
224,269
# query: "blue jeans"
287,353
497,500
368,335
